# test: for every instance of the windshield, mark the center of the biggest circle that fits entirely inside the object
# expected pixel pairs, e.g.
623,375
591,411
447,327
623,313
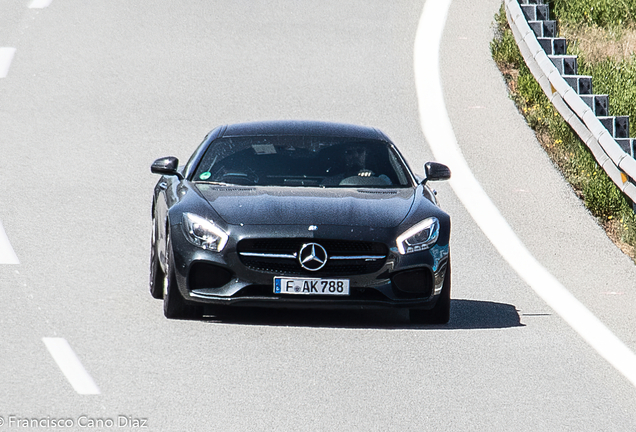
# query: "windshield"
302,161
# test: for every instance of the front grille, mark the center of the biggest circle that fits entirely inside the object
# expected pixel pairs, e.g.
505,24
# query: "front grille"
280,255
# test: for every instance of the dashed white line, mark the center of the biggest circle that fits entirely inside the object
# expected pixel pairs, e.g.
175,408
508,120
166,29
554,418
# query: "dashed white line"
7,255
6,57
39,4
441,138
70,365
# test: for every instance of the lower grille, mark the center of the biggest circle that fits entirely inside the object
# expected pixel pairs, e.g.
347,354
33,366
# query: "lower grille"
268,291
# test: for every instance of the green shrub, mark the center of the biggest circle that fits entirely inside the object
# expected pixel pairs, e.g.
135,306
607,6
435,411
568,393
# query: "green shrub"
503,47
602,197
616,79
602,13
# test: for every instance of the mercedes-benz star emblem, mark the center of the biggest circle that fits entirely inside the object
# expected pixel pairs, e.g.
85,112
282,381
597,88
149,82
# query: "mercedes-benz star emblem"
312,256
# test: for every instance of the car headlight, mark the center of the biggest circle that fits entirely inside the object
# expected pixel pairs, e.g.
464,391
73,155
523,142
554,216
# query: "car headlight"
419,237
203,233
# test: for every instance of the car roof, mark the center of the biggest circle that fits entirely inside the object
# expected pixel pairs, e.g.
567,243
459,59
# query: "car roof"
303,128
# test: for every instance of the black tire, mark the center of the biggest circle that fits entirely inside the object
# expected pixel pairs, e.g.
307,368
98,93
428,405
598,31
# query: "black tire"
440,314
174,305
156,274
156,279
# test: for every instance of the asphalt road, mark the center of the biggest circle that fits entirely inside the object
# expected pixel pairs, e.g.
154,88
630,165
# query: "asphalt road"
98,90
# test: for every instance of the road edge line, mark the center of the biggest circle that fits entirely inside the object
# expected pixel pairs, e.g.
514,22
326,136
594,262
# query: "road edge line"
7,254
438,130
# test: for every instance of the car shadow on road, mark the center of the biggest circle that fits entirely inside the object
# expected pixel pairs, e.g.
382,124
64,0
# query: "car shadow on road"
465,314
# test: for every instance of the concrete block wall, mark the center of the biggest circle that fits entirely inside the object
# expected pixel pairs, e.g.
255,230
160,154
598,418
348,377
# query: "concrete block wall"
538,16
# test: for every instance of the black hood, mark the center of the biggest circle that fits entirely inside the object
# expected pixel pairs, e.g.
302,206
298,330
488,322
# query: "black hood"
384,208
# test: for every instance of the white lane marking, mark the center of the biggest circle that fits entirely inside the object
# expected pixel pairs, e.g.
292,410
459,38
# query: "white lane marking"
439,133
70,365
39,4
7,255
6,57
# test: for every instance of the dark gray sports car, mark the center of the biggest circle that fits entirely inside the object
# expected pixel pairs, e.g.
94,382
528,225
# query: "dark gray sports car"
299,214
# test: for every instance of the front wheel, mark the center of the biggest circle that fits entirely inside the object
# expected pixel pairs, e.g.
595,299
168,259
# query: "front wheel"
174,305
156,274
440,314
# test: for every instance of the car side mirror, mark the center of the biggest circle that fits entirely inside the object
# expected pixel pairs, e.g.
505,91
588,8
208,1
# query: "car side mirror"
166,166
436,171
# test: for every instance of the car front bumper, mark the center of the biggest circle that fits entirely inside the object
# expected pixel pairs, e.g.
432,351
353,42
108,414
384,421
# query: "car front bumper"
221,278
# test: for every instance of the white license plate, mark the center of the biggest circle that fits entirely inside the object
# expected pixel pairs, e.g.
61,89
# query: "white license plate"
308,286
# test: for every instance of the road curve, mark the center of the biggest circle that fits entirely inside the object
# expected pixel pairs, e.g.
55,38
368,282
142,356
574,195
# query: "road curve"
98,90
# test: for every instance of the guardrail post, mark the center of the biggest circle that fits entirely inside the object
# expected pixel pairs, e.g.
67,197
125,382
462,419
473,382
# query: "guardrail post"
627,144
553,46
582,84
598,103
565,64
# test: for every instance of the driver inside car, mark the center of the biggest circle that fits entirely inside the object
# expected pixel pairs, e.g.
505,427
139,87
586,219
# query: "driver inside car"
355,165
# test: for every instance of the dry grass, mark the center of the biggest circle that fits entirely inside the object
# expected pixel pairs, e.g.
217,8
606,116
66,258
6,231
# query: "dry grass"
596,44
614,231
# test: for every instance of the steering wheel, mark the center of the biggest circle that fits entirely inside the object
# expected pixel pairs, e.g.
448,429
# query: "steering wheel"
236,176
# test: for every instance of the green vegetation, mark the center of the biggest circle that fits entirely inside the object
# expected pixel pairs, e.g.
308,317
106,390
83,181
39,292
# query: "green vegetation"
604,200
616,79
601,13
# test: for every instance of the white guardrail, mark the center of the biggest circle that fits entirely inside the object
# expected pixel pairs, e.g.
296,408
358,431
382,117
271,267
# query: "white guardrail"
620,166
